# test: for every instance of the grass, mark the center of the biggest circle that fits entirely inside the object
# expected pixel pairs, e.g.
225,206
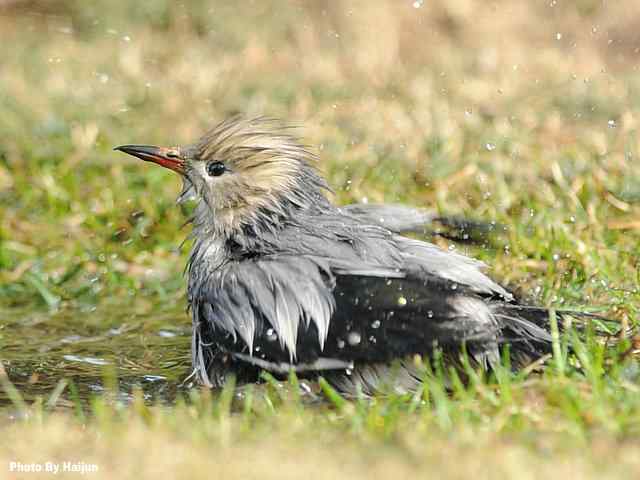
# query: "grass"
518,112
508,427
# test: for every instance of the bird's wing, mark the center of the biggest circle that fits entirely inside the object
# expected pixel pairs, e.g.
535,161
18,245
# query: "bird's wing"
405,219
428,261
397,218
335,294
352,247
283,312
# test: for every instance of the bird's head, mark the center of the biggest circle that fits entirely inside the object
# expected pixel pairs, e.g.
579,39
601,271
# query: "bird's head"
243,173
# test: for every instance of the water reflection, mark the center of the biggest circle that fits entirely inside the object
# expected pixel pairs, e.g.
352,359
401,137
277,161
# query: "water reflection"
140,345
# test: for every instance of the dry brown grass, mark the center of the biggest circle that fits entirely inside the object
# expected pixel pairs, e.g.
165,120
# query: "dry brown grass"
286,452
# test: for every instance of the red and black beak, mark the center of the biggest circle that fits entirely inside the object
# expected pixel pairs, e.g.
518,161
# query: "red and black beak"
166,157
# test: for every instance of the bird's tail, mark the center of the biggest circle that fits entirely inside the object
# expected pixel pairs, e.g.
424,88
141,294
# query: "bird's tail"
528,330
464,230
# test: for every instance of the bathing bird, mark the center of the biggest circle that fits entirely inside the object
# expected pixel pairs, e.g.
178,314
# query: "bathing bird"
280,279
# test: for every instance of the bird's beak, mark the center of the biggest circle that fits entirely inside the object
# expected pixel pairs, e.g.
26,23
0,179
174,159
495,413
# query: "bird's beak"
166,157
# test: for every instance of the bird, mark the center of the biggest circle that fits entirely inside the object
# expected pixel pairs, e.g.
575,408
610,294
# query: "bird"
281,280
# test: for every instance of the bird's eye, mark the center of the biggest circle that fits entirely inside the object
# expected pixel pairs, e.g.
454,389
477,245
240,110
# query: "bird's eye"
215,169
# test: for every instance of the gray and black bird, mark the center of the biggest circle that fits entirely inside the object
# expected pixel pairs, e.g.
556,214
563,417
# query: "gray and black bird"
280,279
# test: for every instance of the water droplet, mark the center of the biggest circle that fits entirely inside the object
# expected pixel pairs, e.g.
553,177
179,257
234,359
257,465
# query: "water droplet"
373,339
126,38
490,147
556,257
375,324
454,286
430,314
348,371
402,301
611,123
417,3
305,387
354,338
271,335
558,36
340,343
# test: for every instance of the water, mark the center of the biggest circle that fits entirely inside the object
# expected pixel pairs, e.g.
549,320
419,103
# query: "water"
145,346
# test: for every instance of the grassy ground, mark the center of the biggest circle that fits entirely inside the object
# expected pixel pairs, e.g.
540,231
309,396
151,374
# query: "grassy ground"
525,113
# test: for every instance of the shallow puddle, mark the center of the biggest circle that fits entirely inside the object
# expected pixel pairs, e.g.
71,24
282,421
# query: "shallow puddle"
143,346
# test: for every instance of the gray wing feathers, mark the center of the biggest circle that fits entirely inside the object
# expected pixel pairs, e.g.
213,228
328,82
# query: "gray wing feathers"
449,265
369,249
397,218
284,291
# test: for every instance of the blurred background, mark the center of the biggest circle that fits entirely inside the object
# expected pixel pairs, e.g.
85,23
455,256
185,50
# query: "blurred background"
524,113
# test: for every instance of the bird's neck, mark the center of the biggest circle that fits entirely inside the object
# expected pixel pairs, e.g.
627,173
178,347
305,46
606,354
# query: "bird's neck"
248,225
235,234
